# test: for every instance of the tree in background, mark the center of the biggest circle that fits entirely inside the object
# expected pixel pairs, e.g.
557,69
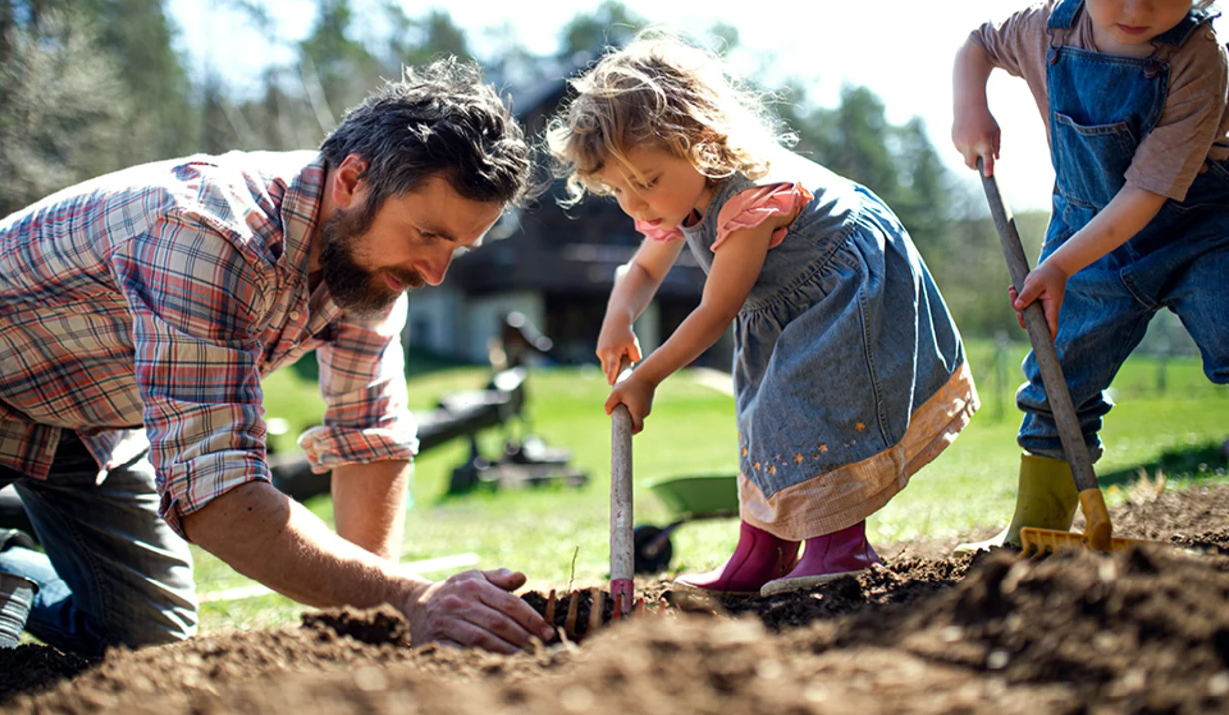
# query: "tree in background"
65,112
586,34
137,36
337,71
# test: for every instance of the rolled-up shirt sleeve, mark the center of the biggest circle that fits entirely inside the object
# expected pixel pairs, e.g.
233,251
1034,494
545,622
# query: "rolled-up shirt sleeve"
194,298
362,381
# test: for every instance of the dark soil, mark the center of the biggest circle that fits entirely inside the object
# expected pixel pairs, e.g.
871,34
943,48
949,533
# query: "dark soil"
1146,631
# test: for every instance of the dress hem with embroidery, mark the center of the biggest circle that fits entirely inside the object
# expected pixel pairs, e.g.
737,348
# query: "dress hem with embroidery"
840,498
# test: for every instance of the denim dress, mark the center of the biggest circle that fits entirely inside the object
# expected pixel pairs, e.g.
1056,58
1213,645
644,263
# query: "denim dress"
1101,108
840,344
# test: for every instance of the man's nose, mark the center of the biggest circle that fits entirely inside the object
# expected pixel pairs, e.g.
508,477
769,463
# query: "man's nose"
434,266
433,272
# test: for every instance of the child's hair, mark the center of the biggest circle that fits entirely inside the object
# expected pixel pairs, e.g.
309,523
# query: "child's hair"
668,94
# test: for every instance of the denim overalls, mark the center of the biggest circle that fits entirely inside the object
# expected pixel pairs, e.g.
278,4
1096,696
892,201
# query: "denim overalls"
842,337
1101,107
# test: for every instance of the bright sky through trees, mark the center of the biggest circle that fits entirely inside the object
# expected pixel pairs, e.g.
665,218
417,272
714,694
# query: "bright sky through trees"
901,49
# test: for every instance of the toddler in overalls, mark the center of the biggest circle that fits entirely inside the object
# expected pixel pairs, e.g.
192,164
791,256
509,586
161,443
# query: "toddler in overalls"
849,374
1134,96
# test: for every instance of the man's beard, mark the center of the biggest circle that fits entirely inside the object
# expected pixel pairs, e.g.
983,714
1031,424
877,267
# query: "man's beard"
357,291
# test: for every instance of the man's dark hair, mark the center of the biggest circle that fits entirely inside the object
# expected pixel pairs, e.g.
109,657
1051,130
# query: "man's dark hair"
441,119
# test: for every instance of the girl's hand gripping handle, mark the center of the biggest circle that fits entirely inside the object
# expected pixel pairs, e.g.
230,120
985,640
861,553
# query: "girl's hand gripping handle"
631,393
616,347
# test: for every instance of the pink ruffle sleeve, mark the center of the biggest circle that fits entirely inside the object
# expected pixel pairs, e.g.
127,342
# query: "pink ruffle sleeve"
755,206
658,233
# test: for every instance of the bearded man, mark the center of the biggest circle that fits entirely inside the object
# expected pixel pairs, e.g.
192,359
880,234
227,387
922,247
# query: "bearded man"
139,312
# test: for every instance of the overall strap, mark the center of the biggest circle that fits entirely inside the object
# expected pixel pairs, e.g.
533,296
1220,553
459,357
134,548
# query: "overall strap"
1180,33
1170,41
1064,14
1059,24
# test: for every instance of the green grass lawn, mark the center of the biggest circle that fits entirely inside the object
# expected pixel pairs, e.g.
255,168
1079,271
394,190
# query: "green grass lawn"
560,535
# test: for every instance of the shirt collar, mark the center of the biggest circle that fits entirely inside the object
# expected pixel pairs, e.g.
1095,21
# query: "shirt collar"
300,212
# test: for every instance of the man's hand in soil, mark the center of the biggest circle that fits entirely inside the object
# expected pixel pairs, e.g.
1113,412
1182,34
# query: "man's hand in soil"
475,608
269,537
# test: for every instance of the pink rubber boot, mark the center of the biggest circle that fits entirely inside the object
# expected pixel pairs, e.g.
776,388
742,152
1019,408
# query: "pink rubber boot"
759,558
827,557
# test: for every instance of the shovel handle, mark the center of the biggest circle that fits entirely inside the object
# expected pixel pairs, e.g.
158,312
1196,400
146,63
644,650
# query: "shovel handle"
1057,394
622,542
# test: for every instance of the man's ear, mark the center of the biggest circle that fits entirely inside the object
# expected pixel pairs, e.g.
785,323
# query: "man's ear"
346,182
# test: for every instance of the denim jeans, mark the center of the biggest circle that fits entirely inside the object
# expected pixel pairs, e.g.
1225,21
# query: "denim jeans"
1101,108
113,573
1105,315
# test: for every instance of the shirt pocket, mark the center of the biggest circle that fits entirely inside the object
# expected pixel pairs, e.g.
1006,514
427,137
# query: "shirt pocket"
1093,159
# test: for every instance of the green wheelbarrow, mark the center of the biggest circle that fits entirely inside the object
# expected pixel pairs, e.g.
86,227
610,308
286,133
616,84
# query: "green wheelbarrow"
708,496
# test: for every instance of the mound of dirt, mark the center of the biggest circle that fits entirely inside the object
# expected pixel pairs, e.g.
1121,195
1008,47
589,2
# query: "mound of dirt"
1145,631
1141,632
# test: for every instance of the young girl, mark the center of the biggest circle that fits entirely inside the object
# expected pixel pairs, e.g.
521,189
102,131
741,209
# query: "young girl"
1133,93
849,373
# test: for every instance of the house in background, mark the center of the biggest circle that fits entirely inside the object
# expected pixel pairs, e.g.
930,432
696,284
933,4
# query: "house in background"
557,268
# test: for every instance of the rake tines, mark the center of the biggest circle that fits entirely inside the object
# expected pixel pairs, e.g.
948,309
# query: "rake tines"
1039,543
569,624
597,603
595,609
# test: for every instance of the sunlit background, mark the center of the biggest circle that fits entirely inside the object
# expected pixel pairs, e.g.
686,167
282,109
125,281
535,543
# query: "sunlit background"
902,50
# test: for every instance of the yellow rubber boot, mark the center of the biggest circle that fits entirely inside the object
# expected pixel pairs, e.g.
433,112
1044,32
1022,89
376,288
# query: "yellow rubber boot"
1045,499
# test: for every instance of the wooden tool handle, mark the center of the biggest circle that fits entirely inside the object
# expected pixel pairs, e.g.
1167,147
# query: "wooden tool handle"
622,543
1057,394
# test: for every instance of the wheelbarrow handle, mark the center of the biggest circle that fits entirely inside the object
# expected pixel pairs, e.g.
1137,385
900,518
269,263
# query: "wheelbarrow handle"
1057,393
622,540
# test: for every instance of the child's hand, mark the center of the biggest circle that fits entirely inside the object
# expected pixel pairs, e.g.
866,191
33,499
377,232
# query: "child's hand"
976,134
637,394
1047,283
615,342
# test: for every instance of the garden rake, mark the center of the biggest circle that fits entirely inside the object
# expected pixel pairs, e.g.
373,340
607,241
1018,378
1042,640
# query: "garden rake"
1098,532
622,541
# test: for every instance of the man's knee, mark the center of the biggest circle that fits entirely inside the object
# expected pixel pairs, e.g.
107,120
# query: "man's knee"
162,614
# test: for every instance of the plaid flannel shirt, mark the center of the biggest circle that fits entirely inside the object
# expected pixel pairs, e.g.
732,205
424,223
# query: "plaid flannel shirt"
142,309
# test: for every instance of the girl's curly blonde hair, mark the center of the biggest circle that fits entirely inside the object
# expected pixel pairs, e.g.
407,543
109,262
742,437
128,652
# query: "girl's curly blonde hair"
662,92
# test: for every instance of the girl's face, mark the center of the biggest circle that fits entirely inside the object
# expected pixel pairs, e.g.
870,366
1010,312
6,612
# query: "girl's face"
662,191
1134,22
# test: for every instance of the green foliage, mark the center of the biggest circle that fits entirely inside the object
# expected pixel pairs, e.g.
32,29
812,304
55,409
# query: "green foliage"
137,34
64,111
335,70
610,25
898,163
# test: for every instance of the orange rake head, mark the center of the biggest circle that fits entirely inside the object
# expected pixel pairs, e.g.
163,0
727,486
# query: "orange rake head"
1040,542
1098,536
